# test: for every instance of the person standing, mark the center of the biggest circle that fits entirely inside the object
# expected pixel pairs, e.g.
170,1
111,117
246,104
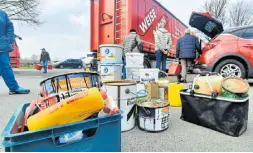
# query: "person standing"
7,39
44,59
187,48
163,43
132,43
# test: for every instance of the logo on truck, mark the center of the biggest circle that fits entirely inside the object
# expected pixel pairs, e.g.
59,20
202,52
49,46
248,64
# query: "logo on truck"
148,20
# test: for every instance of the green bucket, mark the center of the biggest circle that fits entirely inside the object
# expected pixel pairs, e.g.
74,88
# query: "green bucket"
234,88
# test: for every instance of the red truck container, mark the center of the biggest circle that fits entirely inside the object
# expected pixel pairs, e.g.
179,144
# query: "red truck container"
15,54
111,21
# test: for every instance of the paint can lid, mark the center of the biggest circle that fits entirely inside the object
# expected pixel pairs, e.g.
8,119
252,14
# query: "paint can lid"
235,85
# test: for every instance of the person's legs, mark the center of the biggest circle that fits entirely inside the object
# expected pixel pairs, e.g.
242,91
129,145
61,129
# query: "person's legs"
8,75
188,67
7,72
124,68
45,66
164,59
184,69
158,55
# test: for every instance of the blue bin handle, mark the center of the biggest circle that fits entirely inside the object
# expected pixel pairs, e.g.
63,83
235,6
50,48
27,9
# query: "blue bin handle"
59,131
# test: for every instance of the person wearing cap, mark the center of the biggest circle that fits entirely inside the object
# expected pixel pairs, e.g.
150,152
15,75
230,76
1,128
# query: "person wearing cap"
163,43
7,39
44,59
187,48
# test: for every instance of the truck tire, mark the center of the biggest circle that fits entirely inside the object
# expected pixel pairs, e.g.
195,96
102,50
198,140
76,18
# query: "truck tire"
231,67
146,63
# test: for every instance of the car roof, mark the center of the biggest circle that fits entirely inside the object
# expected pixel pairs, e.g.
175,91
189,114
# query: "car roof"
238,28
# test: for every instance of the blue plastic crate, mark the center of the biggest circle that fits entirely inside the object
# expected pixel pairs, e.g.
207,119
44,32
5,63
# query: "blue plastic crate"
105,135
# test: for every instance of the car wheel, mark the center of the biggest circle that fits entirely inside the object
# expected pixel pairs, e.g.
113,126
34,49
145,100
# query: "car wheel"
146,63
79,67
61,66
231,67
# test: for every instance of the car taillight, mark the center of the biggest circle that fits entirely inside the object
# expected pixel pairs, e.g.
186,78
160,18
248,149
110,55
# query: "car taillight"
211,45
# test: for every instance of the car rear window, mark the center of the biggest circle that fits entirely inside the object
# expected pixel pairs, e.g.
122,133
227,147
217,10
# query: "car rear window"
248,34
236,32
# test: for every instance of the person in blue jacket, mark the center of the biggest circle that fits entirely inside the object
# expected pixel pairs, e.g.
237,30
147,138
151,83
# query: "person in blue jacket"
7,39
187,48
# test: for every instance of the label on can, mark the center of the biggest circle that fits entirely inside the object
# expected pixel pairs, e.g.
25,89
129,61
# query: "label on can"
107,51
148,79
106,70
165,110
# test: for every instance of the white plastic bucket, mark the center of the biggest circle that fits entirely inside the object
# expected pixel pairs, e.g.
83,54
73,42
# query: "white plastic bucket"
134,59
147,75
133,73
111,72
111,54
124,92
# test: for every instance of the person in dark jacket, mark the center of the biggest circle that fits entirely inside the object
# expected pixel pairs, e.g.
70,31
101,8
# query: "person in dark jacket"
187,48
7,39
44,59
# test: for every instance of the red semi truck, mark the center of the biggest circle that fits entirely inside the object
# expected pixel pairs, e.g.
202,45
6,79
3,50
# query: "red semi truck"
111,21
15,54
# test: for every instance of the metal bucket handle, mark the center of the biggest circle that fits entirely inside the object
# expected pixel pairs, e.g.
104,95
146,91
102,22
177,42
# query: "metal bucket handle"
194,86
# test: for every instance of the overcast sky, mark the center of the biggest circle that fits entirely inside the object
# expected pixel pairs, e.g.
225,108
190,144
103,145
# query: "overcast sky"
65,33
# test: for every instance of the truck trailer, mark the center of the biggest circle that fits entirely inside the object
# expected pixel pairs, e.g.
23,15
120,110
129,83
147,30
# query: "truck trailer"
111,21
15,54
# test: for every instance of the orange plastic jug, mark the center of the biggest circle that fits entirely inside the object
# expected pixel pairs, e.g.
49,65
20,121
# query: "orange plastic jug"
73,109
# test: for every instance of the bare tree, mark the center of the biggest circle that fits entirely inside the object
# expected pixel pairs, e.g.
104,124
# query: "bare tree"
241,13
34,58
22,10
217,8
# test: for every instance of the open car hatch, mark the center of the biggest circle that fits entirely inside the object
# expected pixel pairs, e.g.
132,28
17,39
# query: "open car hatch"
206,24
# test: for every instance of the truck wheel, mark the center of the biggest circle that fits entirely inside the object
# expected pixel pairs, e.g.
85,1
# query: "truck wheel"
146,63
231,67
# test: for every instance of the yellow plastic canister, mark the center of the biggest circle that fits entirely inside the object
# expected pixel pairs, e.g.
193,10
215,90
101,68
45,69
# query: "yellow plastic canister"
70,110
174,94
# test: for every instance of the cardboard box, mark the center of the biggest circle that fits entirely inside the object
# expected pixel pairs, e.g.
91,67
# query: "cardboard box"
153,90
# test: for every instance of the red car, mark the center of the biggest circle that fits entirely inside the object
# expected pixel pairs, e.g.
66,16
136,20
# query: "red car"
229,52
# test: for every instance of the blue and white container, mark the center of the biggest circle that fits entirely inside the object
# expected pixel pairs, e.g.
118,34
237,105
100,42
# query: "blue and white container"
111,72
149,75
111,54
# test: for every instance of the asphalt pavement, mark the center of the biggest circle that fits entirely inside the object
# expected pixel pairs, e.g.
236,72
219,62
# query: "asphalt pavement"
181,136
